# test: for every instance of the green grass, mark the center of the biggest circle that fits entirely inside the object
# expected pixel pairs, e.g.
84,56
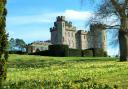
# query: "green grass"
37,72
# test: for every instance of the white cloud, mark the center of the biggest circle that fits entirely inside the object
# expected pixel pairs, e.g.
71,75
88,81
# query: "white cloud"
16,28
77,15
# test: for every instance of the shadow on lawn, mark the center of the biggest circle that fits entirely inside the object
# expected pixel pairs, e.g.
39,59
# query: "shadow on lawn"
51,62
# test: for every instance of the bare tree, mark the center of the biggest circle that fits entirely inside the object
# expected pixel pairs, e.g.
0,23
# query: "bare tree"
109,9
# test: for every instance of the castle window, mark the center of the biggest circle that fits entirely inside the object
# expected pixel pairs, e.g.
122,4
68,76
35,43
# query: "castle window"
69,34
63,39
63,24
72,34
84,37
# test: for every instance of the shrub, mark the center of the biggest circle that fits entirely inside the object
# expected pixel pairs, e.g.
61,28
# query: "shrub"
95,52
17,52
98,52
75,52
41,53
87,53
58,50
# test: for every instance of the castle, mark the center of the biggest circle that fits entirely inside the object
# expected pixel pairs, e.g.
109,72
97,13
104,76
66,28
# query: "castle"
37,46
63,32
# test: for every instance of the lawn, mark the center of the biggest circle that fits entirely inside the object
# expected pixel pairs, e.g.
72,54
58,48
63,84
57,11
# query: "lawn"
38,72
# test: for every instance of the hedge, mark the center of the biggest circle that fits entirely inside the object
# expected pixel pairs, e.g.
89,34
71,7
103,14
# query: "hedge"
98,52
17,52
75,53
58,50
87,53
65,51
41,53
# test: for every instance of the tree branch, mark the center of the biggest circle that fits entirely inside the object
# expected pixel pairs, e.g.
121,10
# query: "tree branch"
118,8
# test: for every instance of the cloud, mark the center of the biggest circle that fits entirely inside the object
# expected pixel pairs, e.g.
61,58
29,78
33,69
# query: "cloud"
78,15
20,26
72,15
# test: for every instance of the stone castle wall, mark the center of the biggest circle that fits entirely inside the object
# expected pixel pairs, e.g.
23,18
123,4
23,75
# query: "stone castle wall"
63,32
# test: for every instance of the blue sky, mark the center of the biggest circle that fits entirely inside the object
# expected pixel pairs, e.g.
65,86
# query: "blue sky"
30,20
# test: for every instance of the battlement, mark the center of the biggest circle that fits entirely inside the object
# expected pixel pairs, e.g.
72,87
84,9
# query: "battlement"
81,32
97,26
52,29
60,18
69,24
63,32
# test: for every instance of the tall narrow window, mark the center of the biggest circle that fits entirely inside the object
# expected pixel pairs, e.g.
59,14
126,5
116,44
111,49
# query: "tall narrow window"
69,34
84,37
63,39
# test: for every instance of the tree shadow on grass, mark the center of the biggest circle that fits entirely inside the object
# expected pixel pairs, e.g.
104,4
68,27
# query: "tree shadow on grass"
95,59
51,62
34,64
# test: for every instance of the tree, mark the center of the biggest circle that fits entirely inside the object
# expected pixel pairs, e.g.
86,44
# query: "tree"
118,9
3,41
20,44
12,44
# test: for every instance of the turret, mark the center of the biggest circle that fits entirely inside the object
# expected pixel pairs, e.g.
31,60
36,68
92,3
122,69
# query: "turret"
97,35
60,18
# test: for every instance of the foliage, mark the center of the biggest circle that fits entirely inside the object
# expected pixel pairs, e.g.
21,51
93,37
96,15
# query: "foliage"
58,50
20,44
12,44
65,51
74,53
98,52
3,42
109,10
41,53
38,72
17,46
17,52
87,53
94,52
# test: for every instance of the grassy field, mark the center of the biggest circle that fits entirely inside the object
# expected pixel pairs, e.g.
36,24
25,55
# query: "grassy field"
37,72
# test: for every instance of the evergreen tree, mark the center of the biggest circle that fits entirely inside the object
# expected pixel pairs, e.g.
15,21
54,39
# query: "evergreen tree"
3,41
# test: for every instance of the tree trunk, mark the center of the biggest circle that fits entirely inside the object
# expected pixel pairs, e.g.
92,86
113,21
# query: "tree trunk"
123,45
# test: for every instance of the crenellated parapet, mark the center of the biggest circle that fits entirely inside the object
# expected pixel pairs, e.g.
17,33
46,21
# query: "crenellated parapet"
60,18
82,32
52,29
63,32
97,26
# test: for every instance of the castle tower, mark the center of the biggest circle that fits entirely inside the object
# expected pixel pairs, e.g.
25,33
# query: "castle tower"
97,36
57,31
81,40
63,33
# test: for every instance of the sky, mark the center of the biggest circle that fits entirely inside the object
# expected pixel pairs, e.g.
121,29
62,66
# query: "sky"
30,20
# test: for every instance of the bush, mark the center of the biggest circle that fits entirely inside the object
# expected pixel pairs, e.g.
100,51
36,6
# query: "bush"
87,53
65,51
41,53
98,52
75,52
94,52
58,50
17,52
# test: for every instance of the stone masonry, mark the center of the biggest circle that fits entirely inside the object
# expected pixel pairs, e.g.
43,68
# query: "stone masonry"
63,32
